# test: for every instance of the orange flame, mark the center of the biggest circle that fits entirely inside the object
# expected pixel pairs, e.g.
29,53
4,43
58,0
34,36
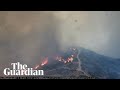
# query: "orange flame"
58,58
36,66
44,62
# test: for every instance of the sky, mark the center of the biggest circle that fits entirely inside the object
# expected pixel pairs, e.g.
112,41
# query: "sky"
94,30
27,36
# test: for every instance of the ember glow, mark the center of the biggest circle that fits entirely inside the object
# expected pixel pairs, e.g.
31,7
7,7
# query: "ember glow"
45,61
64,57
36,66
70,58
59,58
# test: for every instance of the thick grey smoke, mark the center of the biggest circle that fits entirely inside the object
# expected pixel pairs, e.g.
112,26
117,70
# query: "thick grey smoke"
26,36
96,30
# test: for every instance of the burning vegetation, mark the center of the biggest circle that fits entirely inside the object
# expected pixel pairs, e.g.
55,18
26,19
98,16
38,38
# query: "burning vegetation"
64,58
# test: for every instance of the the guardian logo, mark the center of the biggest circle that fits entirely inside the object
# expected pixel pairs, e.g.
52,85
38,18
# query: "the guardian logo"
19,69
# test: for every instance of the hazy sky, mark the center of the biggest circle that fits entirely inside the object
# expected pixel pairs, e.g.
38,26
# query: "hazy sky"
26,36
95,30
33,34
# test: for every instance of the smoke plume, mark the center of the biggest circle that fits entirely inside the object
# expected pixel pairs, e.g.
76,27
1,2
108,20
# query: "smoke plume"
26,36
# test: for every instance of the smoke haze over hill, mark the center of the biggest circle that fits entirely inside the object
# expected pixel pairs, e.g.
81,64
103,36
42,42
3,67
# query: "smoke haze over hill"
30,35
27,36
95,30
